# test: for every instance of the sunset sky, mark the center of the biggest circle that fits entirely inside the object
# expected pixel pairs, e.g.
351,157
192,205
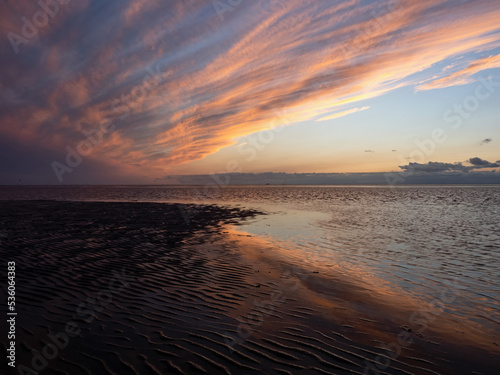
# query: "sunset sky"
136,91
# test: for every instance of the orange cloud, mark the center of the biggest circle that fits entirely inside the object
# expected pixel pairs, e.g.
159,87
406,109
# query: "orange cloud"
343,113
372,67
224,80
463,76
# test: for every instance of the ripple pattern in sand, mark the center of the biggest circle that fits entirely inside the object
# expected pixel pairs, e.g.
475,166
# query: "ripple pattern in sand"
180,303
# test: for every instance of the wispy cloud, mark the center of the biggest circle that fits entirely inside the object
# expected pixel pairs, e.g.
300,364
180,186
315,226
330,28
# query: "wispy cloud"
220,80
485,141
343,113
463,76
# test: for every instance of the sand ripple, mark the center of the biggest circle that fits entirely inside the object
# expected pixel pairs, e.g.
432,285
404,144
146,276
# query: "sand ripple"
185,295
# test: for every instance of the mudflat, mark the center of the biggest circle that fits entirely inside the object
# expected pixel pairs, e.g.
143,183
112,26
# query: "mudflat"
153,288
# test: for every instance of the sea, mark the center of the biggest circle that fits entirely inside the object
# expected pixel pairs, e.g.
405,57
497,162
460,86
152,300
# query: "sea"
414,241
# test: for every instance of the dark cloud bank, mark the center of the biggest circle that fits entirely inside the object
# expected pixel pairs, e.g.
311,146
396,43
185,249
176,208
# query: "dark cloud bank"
431,167
413,173
15,163
335,179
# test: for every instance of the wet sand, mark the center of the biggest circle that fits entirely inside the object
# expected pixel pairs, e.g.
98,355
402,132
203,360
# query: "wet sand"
149,288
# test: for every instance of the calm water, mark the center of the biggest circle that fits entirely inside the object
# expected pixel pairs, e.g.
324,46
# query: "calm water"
411,240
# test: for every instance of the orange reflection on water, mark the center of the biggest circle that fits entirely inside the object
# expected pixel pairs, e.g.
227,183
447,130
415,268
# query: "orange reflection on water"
358,295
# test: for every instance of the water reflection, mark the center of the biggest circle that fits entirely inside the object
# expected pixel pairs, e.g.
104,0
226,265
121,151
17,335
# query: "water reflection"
409,240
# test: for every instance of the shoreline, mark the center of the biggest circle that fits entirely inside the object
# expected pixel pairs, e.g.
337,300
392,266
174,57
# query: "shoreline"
200,295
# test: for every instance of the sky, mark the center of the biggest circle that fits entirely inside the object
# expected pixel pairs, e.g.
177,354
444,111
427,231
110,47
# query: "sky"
142,92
